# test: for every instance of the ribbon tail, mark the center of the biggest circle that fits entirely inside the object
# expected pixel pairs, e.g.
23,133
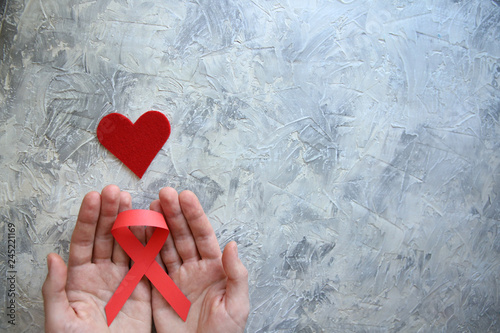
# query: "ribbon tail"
112,311
169,290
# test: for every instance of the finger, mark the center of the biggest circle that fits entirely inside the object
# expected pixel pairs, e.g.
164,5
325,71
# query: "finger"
82,240
120,257
169,258
55,300
140,233
103,242
179,228
237,298
155,206
203,233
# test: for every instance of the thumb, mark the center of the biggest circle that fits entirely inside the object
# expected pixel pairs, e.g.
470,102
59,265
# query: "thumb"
55,300
237,299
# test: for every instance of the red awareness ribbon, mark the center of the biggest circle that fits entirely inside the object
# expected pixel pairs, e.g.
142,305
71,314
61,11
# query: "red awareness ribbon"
144,262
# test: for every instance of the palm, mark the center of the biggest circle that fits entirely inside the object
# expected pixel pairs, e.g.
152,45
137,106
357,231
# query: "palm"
194,261
206,296
75,296
89,288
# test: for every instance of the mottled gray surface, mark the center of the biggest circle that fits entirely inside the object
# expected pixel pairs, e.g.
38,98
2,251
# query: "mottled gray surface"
350,147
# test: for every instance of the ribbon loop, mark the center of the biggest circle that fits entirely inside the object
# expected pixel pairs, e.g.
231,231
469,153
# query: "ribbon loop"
144,262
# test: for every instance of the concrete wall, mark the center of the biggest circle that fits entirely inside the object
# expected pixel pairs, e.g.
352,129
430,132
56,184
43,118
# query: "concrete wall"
350,147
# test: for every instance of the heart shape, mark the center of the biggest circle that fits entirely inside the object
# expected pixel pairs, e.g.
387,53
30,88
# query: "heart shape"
136,145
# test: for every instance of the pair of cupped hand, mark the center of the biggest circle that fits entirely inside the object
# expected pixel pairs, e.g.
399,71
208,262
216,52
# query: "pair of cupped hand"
216,283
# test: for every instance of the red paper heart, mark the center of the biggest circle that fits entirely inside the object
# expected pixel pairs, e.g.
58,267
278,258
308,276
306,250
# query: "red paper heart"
136,145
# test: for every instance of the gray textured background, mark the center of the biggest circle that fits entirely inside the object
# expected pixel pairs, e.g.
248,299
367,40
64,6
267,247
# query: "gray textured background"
350,147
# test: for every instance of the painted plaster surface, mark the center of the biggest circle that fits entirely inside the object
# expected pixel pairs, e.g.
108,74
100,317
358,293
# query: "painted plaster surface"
350,147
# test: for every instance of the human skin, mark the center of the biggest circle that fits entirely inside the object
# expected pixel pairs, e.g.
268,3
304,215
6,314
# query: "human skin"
216,283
